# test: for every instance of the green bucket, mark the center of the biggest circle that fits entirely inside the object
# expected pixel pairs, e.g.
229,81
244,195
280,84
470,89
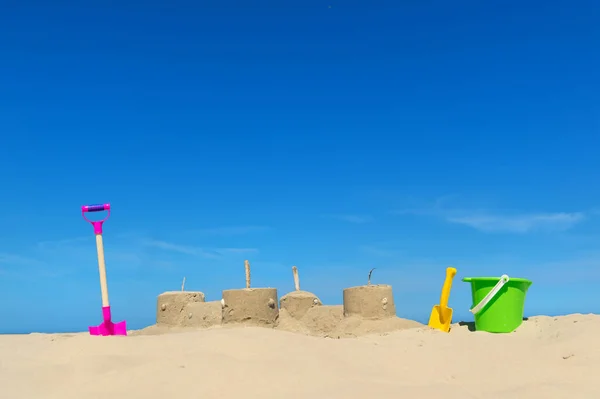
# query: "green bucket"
498,302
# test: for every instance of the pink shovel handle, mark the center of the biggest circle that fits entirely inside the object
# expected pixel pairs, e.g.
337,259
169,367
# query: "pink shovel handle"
96,208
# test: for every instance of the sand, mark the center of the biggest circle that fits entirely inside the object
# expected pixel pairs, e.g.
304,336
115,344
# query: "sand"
547,357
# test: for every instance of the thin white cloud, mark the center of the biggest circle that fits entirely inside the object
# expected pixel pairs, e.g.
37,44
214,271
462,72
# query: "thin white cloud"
231,230
18,260
237,250
22,266
131,248
164,265
61,244
358,219
519,223
432,208
491,222
595,211
580,269
182,249
197,251
127,253
126,257
172,247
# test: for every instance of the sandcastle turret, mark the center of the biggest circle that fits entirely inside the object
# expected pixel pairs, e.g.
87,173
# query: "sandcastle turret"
369,301
250,305
298,302
170,305
186,309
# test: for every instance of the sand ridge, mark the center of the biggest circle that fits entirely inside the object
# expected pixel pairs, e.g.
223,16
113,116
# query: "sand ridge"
547,357
322,321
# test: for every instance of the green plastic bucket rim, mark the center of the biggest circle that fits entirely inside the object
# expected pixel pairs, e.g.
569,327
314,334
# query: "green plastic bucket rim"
496,279
500,282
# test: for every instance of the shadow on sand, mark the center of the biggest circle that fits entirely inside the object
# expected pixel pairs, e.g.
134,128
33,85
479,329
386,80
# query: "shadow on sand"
471,324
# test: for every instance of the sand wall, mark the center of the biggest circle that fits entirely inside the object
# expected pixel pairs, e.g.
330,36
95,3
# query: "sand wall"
369,302
170,305
250,305
297,303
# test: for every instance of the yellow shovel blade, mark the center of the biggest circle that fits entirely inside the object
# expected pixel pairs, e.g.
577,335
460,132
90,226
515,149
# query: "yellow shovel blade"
440,318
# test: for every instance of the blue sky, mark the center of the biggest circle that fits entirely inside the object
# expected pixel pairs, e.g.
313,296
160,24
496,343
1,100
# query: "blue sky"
332,135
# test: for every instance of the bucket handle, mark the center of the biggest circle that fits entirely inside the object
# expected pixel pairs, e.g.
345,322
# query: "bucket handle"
477,308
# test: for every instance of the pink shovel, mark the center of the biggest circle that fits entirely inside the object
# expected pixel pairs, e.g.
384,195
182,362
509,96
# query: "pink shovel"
107,327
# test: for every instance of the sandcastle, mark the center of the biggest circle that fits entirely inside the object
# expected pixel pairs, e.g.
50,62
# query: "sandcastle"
368,308
186,309
371,302
189,309
250,305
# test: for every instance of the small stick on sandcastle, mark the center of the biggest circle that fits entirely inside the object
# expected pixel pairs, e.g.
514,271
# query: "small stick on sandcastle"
183,284
296,278
370,272
247,267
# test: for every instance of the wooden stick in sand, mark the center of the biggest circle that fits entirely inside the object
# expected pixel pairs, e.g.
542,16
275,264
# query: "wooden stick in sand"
371,271
247,267
183,284
296,278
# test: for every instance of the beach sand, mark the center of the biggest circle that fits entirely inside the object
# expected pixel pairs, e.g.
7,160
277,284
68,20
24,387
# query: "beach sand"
547,357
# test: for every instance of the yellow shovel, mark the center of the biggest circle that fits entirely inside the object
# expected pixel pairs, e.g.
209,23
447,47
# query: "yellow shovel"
441,315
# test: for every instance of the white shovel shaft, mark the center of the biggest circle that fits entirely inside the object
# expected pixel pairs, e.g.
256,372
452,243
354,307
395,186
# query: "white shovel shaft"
102,270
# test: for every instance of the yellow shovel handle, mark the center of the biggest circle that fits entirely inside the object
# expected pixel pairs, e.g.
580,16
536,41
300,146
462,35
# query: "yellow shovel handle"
450,273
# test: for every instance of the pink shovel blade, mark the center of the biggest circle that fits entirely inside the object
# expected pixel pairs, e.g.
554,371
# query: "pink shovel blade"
108,327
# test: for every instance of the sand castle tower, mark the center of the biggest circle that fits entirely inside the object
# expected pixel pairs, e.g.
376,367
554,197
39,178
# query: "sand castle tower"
298,302
186,309
369,301
256,306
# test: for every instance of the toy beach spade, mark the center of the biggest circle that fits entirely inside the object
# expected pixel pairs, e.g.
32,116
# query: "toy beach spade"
441,315
107,327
